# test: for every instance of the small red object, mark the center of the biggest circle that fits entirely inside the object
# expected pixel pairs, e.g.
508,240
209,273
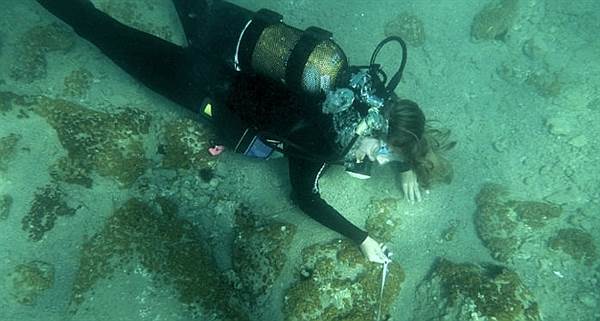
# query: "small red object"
216,150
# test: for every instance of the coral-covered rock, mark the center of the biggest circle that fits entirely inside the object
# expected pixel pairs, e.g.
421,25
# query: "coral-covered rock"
408,27
495,20
259,254
383,219
5,205
78,82
33,47
110,143
337,283
185,145
576,243
48,204
8,148
29,280
471,292
151,236
503,224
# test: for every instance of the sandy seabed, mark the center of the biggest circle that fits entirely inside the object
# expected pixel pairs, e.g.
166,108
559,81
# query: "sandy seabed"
523,106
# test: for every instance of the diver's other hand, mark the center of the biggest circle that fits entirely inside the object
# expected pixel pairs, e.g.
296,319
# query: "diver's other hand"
410,186
374,251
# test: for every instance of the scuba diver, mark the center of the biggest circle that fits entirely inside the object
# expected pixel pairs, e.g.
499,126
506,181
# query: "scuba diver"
271,89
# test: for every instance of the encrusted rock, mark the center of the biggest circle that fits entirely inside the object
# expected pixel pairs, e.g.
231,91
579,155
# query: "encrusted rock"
576,243
185,145
495,20
545,82
8,147
534,48
110,143
503,223
383,219
48,204
408,27
78,82
33,47
335,282
472,292
5,204
29,280
8,99
153,237
259,254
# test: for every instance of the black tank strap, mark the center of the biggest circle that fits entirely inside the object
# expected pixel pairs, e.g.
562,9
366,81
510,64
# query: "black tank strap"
310,38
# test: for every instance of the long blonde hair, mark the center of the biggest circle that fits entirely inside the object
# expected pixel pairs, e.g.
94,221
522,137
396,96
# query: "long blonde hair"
420,143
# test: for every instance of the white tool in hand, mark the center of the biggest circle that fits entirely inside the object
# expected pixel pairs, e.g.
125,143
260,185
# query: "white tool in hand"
384,274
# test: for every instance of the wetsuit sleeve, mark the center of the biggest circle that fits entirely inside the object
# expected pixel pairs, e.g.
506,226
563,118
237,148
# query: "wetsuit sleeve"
303,177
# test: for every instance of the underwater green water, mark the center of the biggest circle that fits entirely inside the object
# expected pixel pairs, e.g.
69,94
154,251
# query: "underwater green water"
111,208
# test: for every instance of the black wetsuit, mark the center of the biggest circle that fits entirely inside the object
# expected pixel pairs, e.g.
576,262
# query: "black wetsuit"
183,75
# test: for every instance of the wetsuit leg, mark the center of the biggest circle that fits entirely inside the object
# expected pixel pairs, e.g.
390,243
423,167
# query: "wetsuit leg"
192,14
160,65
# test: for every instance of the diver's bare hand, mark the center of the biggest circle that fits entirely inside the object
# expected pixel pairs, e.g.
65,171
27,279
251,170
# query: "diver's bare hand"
374,251
410,186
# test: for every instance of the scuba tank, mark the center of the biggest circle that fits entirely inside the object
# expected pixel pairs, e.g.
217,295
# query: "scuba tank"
260,42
